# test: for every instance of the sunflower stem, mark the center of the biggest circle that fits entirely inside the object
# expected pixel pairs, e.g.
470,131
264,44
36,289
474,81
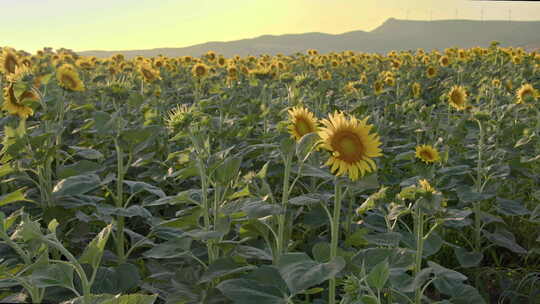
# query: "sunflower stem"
419,232
334,230
281,243
476,206
120,250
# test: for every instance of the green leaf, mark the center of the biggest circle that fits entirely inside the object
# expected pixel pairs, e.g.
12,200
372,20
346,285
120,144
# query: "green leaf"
466,294
306,145
50,275
441,271
287,146
309,199
367,299
81,167
115,280
135,186
170,249
77,185
15,196
511,207
505,239
300,272
87,153
249,252
228,170
94,251
244,291
131,211
258,209
384,239
6,169
378,276
468,259
114,299
321,252
223,267
356,239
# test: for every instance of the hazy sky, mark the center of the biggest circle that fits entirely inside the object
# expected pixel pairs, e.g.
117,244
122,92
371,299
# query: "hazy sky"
143,24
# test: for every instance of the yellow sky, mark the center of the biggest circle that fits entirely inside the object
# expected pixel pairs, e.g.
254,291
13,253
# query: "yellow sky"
144,24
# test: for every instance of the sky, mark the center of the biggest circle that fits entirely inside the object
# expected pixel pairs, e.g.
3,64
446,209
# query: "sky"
145,24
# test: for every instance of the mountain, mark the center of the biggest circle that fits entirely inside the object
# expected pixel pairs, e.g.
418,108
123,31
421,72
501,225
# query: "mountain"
393,34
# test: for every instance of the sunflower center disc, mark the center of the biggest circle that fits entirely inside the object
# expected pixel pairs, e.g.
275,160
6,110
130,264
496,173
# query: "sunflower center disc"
302,127
350,147
426,155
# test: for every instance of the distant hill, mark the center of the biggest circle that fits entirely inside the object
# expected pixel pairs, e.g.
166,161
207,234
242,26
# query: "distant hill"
393,34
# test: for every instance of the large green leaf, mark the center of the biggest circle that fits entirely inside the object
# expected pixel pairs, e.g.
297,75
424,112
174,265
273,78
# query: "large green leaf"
300,272
244,291
77,185
94,251
56,274
115,299
115,280
12,197
223,267
378,276
174,248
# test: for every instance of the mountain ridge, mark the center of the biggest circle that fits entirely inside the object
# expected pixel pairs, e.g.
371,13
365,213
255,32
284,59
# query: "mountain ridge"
393,34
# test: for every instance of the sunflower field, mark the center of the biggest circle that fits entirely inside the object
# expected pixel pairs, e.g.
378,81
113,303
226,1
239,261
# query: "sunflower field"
410,177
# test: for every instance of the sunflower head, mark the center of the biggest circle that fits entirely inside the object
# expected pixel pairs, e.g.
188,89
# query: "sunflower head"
416,90
444,61
179,117
427,154
458,97
200,70
526,93
378,87
148,72
8,61
496,83
431,72
68,78
14,105
221,61
426,186
351,144
232,72
390,81
302,122
211,56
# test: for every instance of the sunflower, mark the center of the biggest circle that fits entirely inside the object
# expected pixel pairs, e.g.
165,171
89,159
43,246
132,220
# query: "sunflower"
68,78
427,153
8,61
458,97
232,72
431,72
416,90
211,56
302,122
351,144
200,70
378,87
526,93
444,61
221,61
14,105
390,81
426,186
149,73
